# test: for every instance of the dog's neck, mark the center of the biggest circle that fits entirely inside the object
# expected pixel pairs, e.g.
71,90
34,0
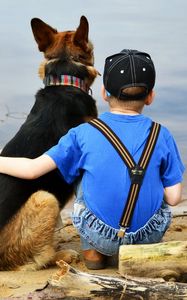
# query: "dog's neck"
67,80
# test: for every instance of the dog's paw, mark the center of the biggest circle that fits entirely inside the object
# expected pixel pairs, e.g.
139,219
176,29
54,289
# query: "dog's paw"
68,256
28,267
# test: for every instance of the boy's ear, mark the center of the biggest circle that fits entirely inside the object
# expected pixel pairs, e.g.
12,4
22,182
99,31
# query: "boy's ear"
149,99
104,93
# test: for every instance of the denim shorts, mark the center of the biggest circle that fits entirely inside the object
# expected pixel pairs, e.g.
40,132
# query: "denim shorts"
95,234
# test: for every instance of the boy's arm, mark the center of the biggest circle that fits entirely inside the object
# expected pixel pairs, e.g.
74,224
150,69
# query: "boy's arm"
173,194
26,168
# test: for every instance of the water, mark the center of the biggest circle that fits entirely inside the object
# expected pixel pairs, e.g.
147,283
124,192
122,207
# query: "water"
158,27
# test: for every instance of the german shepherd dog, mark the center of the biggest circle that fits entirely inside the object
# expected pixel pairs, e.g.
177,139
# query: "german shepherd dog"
29,209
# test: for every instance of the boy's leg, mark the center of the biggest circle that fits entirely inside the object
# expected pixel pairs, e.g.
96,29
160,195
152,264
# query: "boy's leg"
93,259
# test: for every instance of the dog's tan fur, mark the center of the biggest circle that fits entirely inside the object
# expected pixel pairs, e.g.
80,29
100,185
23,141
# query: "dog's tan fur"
27,241
29,235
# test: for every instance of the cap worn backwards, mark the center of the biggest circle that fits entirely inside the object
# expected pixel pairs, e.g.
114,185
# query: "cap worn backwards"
129,68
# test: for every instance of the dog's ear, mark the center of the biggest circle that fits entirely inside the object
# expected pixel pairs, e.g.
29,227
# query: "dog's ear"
43,33
81,34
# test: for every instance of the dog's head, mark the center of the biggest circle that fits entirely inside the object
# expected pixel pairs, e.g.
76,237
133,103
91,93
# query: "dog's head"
72,46
55,44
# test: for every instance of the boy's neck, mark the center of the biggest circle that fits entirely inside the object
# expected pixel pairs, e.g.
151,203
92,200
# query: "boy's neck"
126,108
125,111
122,112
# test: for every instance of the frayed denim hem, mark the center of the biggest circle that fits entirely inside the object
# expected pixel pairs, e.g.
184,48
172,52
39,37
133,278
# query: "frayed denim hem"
104,238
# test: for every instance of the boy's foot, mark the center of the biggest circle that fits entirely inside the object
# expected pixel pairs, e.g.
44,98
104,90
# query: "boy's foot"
94,260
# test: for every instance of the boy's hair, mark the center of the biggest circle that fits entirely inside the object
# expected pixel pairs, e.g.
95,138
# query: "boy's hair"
129,75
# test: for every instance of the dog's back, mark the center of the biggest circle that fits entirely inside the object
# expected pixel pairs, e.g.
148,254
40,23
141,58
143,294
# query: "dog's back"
58,107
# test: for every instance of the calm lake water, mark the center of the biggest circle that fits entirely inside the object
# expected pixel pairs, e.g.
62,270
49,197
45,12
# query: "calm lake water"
158,27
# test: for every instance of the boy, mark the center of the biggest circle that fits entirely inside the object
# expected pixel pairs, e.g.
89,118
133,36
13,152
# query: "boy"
129,78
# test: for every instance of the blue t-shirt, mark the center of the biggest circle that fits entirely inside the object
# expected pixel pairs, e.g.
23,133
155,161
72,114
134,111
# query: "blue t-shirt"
106,179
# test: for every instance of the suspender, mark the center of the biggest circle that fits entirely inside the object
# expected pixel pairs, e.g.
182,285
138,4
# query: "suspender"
136,171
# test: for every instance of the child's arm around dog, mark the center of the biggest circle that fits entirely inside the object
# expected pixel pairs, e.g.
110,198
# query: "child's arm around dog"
26,168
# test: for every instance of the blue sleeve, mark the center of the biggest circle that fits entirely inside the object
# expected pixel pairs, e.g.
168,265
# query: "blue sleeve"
172,168
67,156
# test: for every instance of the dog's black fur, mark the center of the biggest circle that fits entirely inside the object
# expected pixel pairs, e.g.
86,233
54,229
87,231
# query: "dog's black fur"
56,110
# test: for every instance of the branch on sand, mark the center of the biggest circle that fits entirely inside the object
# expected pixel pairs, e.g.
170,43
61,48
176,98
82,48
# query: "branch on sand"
70,284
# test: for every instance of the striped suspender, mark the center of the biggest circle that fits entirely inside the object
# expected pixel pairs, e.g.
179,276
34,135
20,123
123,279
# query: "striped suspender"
136,171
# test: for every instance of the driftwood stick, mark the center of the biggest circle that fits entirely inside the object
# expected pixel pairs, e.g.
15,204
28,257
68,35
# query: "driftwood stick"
166,260
88,286
71,284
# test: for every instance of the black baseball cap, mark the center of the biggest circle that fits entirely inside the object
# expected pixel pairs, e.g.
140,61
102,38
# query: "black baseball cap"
129,68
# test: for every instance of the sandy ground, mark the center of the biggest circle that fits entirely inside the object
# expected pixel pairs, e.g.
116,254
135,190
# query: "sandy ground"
13,284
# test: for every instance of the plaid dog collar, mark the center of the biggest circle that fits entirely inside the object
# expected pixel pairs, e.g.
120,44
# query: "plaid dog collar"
68,80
